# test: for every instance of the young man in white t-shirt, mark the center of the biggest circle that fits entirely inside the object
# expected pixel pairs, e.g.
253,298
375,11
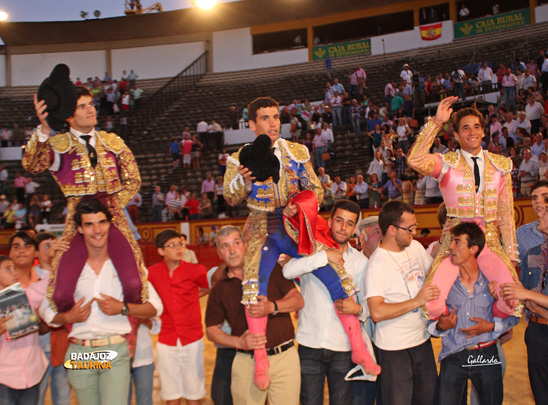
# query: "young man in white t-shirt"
395,292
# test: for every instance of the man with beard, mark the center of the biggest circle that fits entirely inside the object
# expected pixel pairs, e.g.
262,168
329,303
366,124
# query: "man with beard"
324,349
395,291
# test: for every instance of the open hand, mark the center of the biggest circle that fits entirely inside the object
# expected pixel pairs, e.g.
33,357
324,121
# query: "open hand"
480,327
427,293
251,341
444,110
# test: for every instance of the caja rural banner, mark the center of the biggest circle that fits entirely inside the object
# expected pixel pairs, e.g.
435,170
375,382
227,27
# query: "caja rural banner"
362,47
494,23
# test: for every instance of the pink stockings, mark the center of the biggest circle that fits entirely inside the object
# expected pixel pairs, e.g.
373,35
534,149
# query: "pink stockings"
258,326
492,267
351,326
360,355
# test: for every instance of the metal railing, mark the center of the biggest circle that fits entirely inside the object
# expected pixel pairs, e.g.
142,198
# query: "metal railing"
158,103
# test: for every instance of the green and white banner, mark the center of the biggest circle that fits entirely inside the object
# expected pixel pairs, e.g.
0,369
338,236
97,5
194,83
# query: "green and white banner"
362,47
494,23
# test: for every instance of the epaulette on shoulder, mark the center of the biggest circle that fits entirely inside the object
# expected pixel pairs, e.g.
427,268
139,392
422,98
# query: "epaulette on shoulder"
111,141
451,158
298,152
60,143
502,163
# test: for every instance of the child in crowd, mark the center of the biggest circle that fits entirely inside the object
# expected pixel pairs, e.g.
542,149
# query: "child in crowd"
22,361
180,344
186,147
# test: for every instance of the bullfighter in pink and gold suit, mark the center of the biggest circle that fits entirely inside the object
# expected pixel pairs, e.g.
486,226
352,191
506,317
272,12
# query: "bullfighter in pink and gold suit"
479,192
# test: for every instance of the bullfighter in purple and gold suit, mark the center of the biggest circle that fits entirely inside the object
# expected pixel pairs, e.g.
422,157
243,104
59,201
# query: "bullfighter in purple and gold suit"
476,186
87,164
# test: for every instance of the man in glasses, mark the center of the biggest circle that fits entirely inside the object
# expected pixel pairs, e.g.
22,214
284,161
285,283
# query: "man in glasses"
180,344
395,291
476,186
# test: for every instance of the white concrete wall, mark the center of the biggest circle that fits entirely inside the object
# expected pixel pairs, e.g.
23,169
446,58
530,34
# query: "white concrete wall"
279,58
11,153
232,50
541,13
403,41
151,62
2,70
31,69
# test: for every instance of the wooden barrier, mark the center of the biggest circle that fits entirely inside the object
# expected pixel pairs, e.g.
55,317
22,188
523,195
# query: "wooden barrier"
426,217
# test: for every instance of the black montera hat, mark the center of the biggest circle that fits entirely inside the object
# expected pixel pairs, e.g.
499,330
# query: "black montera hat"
59,95
260,159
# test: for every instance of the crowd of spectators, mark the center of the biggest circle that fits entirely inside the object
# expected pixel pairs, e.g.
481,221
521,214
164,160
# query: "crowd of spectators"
517,122
387,178
182,204
112,98
115,98
187,151
20,202
391,125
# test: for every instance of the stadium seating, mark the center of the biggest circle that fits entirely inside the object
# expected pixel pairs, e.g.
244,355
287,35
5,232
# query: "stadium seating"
214,93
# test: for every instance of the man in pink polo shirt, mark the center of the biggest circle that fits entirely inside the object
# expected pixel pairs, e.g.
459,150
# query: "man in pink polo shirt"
19,185
22,361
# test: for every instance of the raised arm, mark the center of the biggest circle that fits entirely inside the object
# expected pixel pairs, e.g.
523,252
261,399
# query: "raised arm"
38,155
419,158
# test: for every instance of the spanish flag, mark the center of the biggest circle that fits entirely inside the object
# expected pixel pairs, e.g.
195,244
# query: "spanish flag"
431,32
